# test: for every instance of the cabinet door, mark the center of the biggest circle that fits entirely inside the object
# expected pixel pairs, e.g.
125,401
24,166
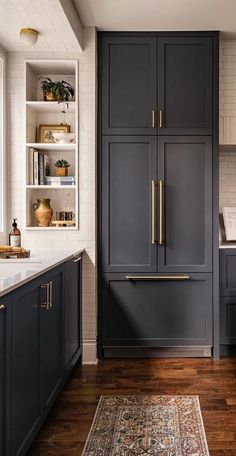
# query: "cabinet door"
4,381
228,321
52,338
128,168
227,272
128,93
72,310
185,166
25,368
152,313
185,85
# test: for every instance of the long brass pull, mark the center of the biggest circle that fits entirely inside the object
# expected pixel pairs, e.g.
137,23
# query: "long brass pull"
161,212
153,118
46,304
77,260
2,307
159,278
154,217
161,119
50,294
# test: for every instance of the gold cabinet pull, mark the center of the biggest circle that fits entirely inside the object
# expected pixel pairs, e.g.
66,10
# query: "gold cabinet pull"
159,278
153,118
2,307
50,294
46,304
161,118
161,212
77,260
154,217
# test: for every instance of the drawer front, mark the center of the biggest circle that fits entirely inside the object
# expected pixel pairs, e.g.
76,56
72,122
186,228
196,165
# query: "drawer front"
228,272
228,321
153,313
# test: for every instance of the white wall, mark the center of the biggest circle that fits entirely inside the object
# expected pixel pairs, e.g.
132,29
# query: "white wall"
86,235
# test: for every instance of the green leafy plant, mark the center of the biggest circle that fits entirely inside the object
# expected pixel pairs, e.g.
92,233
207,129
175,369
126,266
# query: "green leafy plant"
62,164
60,91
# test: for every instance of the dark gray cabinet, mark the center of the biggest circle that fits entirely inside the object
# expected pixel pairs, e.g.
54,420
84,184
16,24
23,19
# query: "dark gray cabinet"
228,301
72,311
185,168
139,310
185,85
129,167
4,377
25,366
51,314
128,85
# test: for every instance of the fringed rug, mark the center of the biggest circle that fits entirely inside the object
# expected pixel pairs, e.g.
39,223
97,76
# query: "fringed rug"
147,425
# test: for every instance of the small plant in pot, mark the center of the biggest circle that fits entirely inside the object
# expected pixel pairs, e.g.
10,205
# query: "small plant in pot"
62,167
60,91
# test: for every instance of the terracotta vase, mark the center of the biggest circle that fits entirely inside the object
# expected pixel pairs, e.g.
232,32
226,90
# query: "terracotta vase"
43,212
48,96
61,171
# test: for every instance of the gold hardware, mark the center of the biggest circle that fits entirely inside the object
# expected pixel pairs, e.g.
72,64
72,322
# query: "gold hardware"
161,212
46,304
50,293
153,118
77,259
154,218
161,119
2,307
164,277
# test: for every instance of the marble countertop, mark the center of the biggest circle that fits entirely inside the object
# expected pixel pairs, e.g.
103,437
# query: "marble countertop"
227,245
14,273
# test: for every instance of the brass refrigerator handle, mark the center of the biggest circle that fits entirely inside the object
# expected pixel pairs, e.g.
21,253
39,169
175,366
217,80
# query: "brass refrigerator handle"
161,212
153,118
161,118
159,278
46,304
154,217
50,294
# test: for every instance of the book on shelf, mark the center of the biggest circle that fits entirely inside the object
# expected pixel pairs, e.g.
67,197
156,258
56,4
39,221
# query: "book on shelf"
60,180
39,167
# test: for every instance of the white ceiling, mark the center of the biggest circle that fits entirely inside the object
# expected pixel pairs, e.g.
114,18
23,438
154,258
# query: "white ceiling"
159,14
46,16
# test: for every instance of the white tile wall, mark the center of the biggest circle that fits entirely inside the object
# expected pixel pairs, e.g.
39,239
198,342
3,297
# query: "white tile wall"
85,237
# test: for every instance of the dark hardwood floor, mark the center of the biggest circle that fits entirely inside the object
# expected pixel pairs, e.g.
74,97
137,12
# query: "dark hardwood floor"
66,429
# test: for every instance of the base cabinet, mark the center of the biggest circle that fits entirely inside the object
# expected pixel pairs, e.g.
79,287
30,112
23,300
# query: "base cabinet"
34,335
228,301
154,313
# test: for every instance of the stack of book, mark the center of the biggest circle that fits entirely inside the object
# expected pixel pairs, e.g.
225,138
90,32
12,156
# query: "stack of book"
57,181
39,167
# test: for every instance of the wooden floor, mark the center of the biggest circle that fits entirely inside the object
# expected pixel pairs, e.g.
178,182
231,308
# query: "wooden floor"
66,429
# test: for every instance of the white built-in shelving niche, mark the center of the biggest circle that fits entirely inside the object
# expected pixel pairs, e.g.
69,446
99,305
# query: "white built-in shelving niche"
40,112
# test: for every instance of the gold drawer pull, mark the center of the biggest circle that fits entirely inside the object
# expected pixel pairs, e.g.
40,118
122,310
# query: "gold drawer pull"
46,304
2,307
50,294
159,278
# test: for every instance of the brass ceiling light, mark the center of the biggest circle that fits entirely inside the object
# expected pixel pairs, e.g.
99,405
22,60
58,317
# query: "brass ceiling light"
29,36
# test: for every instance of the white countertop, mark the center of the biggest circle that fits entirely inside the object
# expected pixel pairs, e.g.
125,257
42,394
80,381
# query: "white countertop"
14,273
228,245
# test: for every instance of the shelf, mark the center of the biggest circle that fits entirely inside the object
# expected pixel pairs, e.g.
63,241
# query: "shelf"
51,228
52,187
50,106
52,146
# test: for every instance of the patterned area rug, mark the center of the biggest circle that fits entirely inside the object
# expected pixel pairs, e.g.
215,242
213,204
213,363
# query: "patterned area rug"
147,425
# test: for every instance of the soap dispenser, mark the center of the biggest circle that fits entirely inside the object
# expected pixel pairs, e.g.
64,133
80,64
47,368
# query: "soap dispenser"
14,235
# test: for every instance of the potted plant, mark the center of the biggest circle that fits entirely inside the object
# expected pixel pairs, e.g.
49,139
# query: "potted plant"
60,91
62,167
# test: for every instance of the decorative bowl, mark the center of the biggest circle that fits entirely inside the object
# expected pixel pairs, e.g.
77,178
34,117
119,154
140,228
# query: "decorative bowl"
64,138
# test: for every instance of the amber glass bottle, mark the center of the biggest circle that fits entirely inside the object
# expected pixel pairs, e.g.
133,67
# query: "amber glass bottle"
14,235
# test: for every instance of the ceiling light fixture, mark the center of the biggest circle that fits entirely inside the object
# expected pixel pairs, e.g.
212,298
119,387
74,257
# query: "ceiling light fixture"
29,36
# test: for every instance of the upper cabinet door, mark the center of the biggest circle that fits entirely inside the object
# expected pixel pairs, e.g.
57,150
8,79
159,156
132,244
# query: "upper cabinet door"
128,97
185,86
185,204
128,203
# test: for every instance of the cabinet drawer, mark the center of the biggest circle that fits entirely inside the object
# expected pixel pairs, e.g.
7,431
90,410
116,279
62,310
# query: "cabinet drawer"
153,313
228,321
228,272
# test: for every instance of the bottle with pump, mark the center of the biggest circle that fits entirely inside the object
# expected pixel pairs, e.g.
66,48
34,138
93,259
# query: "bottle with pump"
14,235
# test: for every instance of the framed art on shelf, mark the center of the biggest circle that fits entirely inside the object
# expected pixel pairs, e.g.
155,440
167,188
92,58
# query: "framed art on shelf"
229,216
45,132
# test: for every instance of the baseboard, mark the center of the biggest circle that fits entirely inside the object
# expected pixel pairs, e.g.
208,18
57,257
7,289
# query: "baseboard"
228,350
158,352
89,352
